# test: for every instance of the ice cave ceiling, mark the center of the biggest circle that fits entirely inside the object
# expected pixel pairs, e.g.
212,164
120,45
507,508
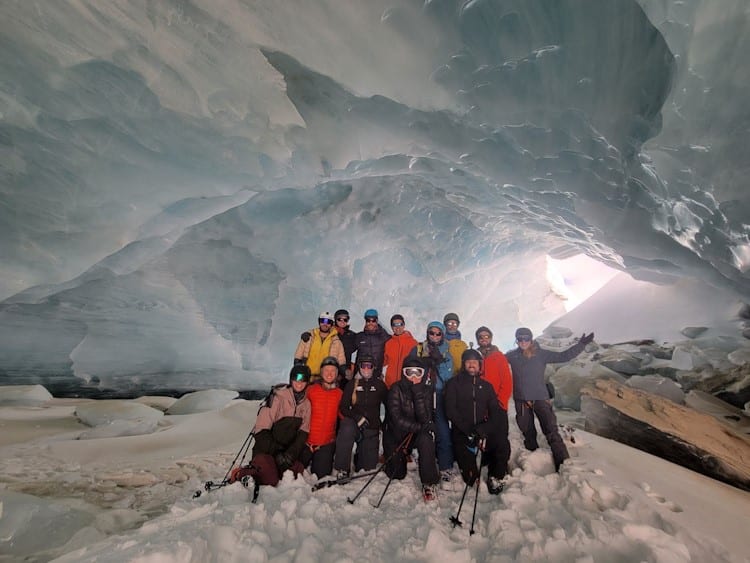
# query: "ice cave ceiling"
182,182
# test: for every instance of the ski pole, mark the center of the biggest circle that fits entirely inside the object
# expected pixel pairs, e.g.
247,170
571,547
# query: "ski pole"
342,480
402,446
210,485
476,496
454,519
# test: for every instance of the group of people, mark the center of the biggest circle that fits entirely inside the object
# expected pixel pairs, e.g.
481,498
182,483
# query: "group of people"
441,397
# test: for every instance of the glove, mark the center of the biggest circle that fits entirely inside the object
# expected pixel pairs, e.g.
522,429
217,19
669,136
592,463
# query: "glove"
283,461
363,423
305,336
586,339
473,440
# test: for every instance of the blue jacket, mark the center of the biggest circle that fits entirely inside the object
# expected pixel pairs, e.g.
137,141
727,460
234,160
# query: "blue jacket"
528,373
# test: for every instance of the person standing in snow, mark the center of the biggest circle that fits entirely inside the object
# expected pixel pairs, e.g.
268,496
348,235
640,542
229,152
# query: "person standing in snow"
396,349
349,340
281,430
530,393
456,346
319,343
496,370
472,407
409,423
438,363
324,397
360,408
371,341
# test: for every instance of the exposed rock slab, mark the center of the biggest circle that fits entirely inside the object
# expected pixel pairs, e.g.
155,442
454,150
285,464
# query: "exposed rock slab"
679,434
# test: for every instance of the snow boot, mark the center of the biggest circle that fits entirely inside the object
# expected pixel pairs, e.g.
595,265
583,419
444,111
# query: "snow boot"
429,493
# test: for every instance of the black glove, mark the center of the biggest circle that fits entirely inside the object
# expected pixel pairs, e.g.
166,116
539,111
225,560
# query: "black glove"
473,440
586,339
300,361
283,461
305,336
363,423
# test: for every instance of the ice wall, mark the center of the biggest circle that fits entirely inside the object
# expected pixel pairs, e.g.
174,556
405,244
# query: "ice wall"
186,184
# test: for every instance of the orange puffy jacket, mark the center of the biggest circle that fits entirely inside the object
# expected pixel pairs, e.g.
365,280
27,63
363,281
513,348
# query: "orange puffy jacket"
496,370
396,350
325,413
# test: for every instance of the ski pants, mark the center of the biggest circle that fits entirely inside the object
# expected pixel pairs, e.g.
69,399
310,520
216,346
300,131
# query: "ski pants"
442,434
319,458
496,453
367,440
424,442
525,411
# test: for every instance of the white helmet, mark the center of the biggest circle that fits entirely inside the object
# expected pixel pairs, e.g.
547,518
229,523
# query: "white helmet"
325,315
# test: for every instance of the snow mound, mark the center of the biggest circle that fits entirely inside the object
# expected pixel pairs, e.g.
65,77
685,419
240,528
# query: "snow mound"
156,402
202,401
23,395
106,412
118,428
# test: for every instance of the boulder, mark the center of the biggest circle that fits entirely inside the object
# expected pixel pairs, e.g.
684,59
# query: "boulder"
23,395
202,401
621,362
674,432
693,331
658,386
570,379
106,412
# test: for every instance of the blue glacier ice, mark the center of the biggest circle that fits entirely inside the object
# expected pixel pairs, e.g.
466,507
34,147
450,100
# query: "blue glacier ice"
186,184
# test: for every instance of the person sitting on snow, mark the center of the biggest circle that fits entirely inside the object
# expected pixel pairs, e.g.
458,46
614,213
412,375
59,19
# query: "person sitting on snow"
324,396
280,432
410,423
360,409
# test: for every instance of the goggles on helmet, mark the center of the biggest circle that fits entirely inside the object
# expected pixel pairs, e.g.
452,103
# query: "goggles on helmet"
413,372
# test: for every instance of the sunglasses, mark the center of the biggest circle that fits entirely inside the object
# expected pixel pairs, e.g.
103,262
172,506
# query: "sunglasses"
366,365
434,333
371,320
397,324
483,336
413,373
343,320
524,339
325,321
451,323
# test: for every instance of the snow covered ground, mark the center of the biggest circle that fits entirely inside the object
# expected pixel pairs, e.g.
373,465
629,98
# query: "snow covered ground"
128,498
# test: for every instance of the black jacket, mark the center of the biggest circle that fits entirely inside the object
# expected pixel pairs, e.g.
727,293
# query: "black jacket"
471,404
370,395
373,344
410,406
349,339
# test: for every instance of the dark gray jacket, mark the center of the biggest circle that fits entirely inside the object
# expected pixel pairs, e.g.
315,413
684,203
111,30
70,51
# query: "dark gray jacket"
528,373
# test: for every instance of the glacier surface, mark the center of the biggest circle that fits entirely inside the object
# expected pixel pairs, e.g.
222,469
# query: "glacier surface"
186,184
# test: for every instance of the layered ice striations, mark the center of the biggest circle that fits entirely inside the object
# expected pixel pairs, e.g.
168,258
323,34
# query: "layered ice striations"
184,187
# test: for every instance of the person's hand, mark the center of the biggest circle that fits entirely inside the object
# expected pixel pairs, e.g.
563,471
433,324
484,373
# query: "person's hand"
284,461
363,423
473,440
305,336
586,338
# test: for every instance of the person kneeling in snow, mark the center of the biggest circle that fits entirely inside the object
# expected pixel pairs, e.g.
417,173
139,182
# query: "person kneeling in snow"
472,407
281,430
410,423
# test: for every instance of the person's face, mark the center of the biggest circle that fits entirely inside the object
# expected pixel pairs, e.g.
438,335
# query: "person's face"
371,323
366,369
413,374
329,373
451,326
524,342
472,367
398,327
299,386
324,324
342,321
434,334
484,339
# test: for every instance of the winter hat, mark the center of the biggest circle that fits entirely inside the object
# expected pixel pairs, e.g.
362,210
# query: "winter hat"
341,313
329,361
398,317
299,372
482,329
470,354
371,313
523,331
450,317
438,325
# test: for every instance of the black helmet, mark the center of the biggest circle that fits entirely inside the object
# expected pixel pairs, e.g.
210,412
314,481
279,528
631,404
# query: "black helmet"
412,362
365,358
470,354
299,372
341,313
329,361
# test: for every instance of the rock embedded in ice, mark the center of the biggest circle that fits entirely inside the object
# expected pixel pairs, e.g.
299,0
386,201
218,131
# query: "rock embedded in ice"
693,331
621,361
24,395
740,357
658,386
201,401
106,412
572,377
687,357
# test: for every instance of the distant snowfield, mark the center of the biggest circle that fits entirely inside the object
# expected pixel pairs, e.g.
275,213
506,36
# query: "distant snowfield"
129,499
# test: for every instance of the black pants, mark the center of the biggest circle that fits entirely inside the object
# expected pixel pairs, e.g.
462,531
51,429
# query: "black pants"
424,443
496,453
367,440
320,460
548,422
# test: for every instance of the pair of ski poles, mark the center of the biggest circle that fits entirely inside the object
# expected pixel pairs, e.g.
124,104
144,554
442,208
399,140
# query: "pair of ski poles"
454,519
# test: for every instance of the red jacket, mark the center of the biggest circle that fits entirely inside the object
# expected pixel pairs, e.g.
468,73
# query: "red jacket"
325,412
396,350
496,370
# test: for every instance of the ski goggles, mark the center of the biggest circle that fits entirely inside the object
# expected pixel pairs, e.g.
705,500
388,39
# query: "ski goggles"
413,373
397,324
325,321
300,376
366,365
